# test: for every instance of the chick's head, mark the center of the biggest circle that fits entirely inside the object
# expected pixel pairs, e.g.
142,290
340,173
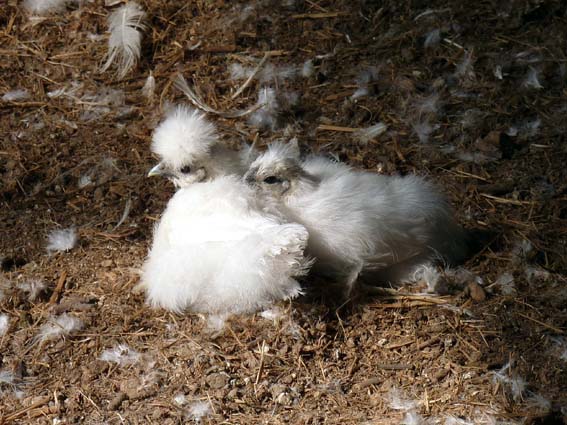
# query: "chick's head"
277,172
183,141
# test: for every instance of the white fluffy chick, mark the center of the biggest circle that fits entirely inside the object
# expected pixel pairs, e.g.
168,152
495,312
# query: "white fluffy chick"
215,250
190,150
360,224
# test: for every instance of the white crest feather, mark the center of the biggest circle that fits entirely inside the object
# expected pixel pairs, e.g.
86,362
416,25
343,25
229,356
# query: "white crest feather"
278,151
184,134
124,45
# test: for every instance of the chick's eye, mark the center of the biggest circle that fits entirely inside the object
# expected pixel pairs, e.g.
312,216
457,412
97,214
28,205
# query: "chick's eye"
272,180
186,169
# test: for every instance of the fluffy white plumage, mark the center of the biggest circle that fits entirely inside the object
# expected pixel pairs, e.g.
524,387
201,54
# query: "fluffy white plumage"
184,135
359,223
125,41
190,151
216,251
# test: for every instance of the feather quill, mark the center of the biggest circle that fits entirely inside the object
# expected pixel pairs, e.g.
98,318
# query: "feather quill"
124,45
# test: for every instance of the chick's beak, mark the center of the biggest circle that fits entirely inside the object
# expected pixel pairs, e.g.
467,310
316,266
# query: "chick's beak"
158,170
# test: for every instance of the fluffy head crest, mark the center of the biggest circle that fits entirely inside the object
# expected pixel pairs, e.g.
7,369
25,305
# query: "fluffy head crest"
184,135
278,170
278,153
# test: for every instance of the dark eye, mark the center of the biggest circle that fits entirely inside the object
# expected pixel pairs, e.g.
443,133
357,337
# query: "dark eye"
272,180
185,169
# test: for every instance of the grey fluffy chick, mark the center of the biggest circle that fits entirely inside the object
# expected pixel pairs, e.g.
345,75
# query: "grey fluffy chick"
361,225
190,150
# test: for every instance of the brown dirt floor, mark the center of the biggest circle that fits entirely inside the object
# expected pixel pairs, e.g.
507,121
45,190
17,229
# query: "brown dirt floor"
497,148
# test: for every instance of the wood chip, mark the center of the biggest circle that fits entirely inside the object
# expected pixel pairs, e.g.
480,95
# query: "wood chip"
476,292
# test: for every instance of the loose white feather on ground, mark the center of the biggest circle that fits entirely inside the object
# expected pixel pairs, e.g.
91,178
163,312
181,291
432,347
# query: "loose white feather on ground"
149,87
199,410
124,44
307,69
216,251
121,354
532,79
7,377
512,381
60,326
62,240
44,7
32,287
265,117
432,38
364,135
4,324
15,95
364,81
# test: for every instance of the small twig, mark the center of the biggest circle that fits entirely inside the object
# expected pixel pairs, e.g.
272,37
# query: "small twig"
261,367
251,77
429,342
318,15
315,5
409,304
452,43
23,411
392,366
461,173
367,383
429,12
195,46
58,288
392,294
545,325
326,127
506,201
